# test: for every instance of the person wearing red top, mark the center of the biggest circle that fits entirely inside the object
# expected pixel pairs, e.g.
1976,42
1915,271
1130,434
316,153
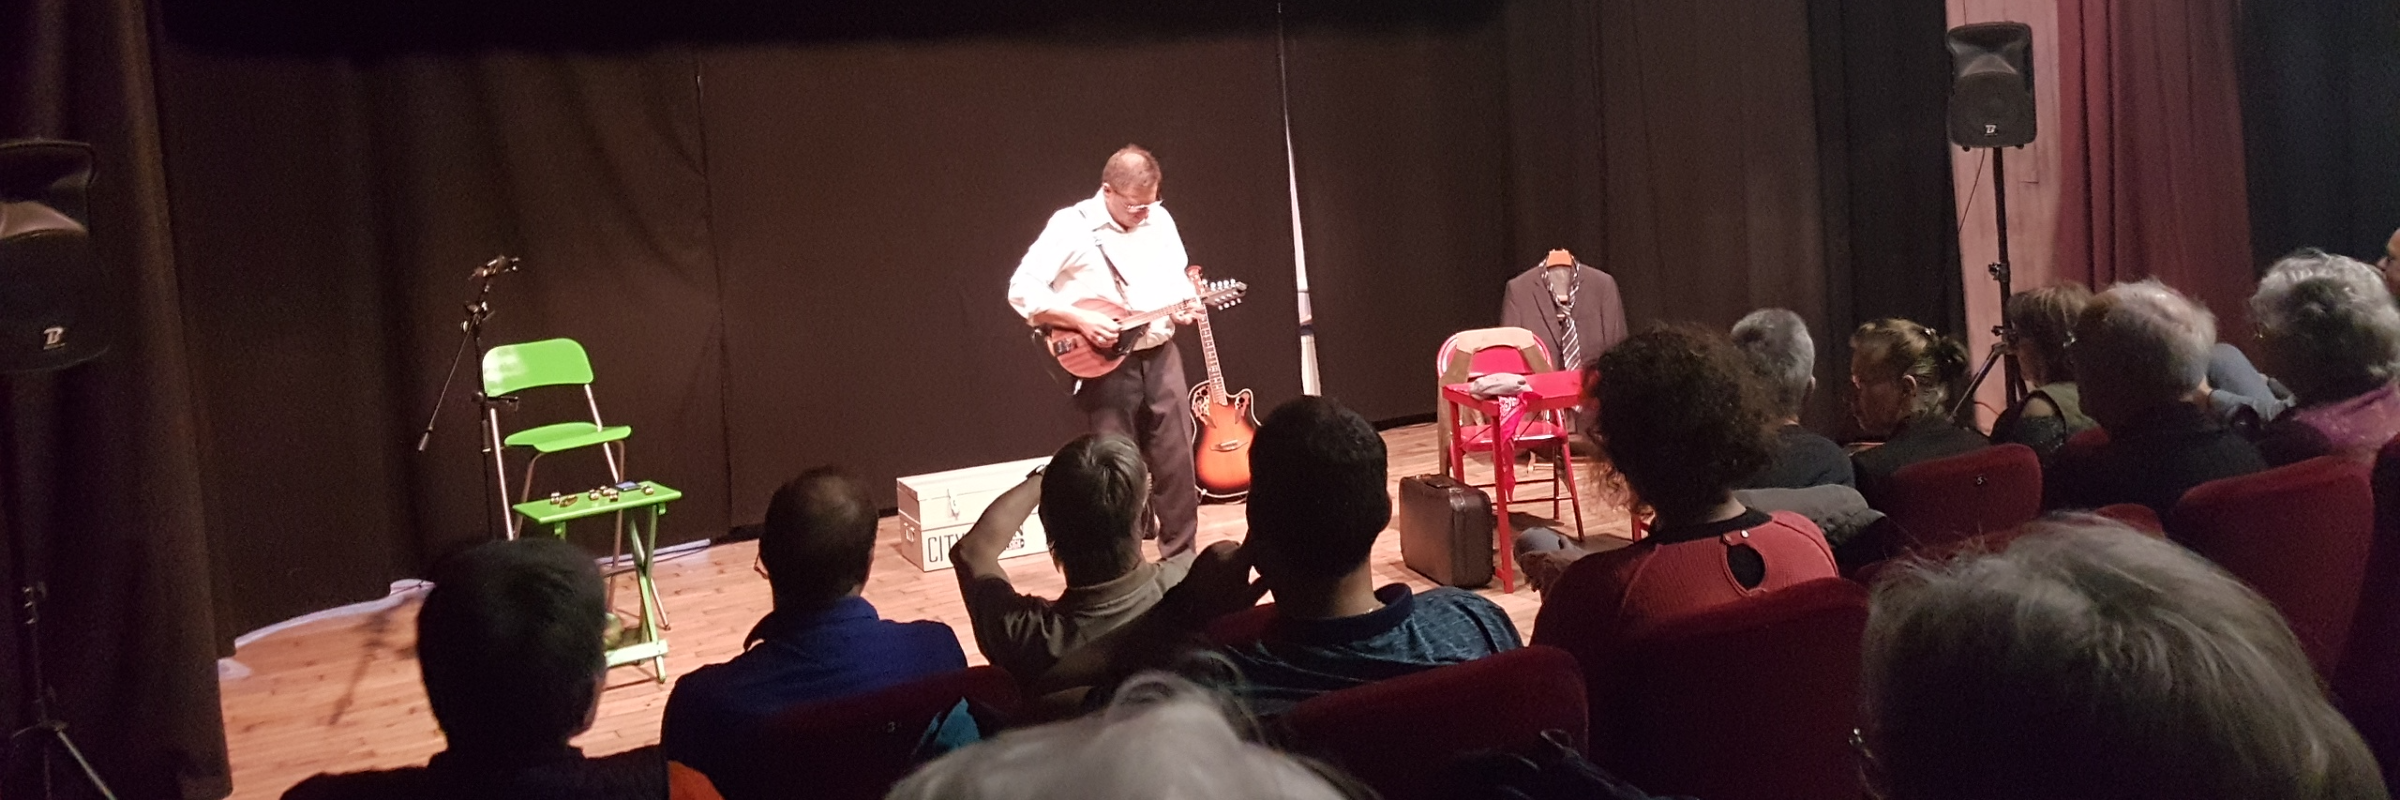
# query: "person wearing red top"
1680,417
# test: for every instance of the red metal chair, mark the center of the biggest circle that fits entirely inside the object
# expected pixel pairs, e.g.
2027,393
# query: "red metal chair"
1753,701
2136,516
1468,355
1241,627
1400,736
855,748
685,783
2367,685
2299,534
1946,500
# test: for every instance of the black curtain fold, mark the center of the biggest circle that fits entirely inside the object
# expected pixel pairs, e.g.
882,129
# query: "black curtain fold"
2320,86
104,461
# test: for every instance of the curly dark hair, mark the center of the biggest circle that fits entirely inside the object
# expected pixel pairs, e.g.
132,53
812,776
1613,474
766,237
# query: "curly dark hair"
1681,417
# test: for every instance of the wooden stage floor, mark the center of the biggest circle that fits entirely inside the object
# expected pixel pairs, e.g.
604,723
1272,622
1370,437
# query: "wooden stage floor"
342,694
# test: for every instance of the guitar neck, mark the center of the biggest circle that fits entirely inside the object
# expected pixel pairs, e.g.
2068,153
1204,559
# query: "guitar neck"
1208,350
1147,317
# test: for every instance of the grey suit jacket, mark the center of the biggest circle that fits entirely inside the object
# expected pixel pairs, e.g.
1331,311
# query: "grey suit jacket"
1599,312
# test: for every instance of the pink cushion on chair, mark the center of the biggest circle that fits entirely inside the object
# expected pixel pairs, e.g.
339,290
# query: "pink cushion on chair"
1400,736
1752,701
2299,534
1946,500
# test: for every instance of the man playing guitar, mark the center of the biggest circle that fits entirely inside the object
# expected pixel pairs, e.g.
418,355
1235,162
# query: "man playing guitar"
1122,246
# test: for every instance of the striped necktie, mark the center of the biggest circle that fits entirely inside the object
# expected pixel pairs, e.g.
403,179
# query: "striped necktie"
1570,346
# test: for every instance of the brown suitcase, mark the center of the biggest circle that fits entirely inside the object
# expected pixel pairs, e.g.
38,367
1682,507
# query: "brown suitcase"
1446,530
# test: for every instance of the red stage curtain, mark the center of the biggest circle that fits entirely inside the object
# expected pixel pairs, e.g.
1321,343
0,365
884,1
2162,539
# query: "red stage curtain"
2151,125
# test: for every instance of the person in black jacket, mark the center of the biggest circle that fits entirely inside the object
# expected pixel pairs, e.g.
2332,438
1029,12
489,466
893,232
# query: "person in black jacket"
1904,378
2141,355
510,643
1784,358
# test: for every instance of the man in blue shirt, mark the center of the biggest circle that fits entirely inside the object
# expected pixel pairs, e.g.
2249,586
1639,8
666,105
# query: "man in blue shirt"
823,641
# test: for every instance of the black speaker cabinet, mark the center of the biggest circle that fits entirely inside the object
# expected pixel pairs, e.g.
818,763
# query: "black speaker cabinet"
1991,84
51,293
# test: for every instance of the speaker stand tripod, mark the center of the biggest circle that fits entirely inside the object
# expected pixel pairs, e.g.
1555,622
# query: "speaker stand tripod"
1999,271
45,731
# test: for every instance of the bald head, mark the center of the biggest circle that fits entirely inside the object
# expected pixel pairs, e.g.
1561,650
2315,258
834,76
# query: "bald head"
1131,169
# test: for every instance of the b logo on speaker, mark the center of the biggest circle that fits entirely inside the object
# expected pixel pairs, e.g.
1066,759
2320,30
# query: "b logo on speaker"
54,337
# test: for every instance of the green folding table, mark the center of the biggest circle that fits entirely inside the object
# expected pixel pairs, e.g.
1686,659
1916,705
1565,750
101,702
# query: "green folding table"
556,512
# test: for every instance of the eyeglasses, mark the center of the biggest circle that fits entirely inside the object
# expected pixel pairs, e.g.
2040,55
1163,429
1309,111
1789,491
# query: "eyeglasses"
1135,208
1870,771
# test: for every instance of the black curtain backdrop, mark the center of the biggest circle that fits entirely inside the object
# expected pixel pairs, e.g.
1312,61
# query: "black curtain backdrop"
2320,83
1881,76
783,235
104,457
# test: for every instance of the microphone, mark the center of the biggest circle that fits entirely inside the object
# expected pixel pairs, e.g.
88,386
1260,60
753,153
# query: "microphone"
496,266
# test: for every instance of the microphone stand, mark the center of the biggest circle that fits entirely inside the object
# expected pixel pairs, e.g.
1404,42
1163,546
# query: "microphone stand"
470,329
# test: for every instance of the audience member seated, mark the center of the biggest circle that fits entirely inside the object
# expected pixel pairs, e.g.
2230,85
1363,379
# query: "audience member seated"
821,641
2389,264
1319,497
2141,357
1682,422
2088,660
1782,355
2043,321
1905,377
2327,327
1092,497
509,641
1160,737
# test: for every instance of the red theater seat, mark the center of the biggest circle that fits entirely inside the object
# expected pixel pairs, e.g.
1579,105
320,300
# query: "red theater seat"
2299,534
2368,682
857,747
1946,500
1753,701
1401,735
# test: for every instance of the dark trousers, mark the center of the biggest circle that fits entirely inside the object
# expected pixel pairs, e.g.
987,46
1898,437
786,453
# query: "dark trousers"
1147,400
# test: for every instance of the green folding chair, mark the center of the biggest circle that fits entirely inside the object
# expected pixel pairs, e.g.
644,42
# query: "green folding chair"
512,368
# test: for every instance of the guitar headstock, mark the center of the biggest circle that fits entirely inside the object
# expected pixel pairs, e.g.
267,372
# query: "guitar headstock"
1217,295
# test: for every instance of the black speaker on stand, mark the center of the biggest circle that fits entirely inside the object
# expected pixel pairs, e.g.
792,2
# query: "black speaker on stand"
53,315
1991,106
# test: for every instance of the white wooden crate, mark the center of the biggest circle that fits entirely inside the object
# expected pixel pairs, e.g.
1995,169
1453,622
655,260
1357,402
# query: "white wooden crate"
937,508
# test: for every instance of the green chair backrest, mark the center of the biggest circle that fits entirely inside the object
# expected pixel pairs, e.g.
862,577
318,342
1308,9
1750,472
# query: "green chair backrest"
550,362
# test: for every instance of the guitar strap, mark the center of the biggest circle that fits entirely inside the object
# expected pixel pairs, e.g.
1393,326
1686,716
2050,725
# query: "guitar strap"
1118,274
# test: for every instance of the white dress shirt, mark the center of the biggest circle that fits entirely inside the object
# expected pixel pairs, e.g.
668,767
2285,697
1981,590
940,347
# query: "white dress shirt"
1065,265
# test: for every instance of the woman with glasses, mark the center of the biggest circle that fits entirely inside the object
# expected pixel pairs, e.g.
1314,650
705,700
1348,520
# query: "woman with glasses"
2041,323
2328,330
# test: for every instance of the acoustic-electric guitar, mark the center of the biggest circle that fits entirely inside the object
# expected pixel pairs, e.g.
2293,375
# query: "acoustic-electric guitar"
1227,421
1080,358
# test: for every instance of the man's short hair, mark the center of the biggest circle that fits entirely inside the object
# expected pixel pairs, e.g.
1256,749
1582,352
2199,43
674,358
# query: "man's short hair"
819,539
2331,324
1093,500
2144,343
1781,353
1679,416
1131,168
509,644
1161,736
2089,660
1318,496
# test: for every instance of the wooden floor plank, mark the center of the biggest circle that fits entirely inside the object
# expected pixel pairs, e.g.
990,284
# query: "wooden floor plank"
342,694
